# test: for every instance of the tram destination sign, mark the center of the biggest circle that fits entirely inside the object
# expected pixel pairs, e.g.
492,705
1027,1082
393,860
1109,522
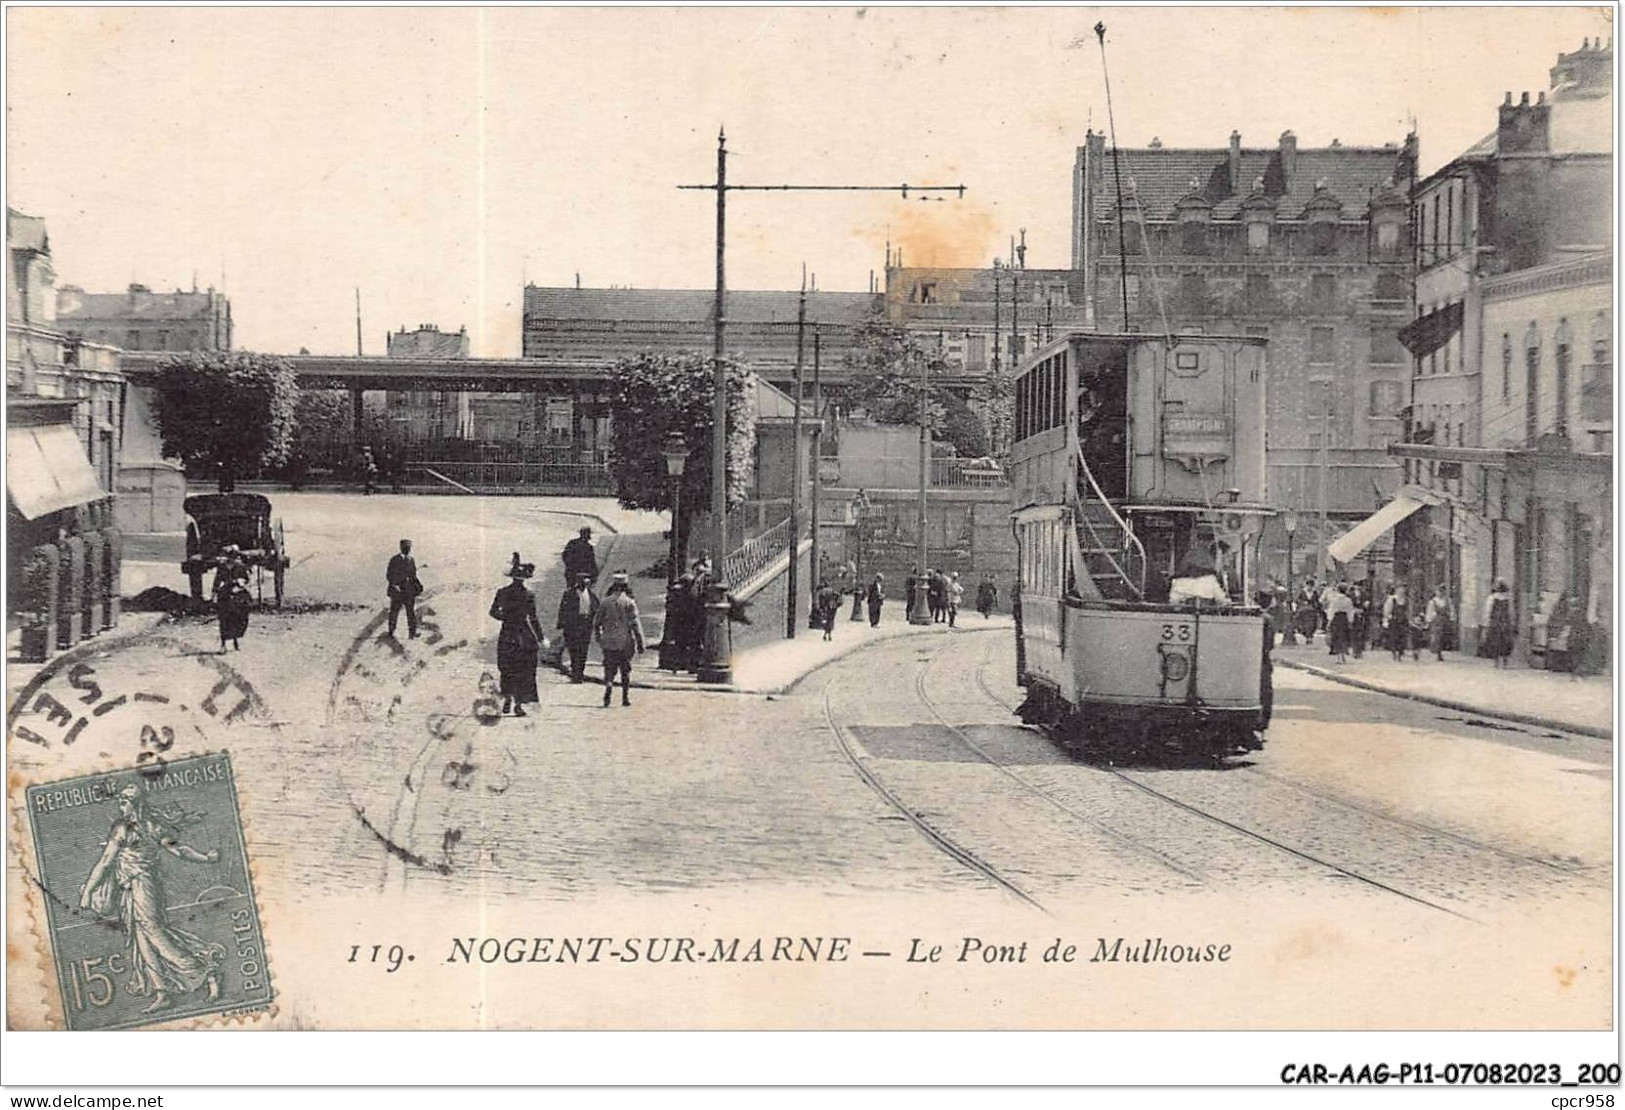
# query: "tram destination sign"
1191,433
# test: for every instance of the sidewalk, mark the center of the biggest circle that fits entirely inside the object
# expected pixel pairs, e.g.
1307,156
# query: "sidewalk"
775,667
1544,698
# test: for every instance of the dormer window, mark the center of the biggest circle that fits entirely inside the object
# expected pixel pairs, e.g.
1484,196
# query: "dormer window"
1388,238
925,292
1258,237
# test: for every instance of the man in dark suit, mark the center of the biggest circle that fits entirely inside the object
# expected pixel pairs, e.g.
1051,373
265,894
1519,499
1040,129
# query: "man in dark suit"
578,609
580,557
404,587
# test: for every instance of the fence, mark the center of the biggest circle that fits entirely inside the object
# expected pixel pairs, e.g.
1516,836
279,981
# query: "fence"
486,477
745,563
967,474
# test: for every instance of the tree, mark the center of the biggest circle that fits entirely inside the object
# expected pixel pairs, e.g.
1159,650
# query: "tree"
655,394
884,380
226,413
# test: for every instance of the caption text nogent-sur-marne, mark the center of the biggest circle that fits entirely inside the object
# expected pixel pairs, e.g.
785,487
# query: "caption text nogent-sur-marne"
802,949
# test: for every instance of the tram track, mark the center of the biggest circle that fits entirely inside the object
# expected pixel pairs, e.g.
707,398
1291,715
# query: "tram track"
1033,788
1197,811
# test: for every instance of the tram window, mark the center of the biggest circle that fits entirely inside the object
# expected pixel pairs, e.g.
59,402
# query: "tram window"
1058,391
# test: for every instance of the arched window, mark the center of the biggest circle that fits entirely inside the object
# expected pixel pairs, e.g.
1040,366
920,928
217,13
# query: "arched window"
1531,385
1506,366
1597,390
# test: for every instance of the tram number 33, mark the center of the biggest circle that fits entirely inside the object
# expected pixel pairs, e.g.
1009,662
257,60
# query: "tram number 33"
1176,633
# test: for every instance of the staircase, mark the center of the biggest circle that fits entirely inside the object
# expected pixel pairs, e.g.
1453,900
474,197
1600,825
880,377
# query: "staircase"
1109,549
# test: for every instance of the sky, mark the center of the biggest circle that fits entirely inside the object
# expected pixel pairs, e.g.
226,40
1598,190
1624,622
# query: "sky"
437,158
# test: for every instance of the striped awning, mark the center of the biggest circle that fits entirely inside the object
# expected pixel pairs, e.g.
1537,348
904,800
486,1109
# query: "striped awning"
1424,336
46,470
1364,534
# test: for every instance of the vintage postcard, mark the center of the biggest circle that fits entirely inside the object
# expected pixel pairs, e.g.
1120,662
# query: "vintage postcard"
879,518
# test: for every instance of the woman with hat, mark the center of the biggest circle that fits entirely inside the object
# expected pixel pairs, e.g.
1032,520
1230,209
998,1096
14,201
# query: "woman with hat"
231,599
521,639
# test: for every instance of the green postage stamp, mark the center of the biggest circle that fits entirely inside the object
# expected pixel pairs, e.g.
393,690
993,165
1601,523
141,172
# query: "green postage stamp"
148,895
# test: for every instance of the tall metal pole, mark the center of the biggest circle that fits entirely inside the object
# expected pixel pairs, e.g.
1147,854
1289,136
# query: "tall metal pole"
818,449
797,459
1325,439
358,321
918,613
719,402
1117,173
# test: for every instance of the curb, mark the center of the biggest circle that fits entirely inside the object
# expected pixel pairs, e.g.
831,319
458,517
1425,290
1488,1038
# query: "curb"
1446,703
896,632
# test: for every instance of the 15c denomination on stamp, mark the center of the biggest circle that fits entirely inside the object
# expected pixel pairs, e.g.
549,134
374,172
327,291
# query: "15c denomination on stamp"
148,894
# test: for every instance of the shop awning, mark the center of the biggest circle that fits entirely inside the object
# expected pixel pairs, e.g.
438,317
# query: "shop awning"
1365,533
46,470
1424,336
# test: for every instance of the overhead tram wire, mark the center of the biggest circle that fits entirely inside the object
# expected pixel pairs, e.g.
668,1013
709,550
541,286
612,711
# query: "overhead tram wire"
1117,174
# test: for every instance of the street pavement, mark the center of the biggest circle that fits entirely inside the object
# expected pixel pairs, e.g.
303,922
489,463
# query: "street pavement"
1585,703
878,767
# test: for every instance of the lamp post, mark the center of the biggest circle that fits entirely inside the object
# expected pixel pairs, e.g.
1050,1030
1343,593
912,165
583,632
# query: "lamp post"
1290,635
860,505
676,455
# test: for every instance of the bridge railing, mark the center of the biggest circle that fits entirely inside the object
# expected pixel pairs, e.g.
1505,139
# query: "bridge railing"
511,477
745,563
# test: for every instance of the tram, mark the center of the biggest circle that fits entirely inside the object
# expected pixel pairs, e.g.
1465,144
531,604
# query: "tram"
1139,499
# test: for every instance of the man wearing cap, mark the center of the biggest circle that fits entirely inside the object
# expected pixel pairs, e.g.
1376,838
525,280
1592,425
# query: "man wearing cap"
578,611
620,635
580,557
401,577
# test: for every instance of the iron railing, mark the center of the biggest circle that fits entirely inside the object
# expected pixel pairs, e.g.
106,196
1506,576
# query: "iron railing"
511,477
756,555
967,474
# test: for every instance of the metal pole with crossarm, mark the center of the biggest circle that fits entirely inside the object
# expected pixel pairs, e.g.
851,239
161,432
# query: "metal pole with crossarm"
719,405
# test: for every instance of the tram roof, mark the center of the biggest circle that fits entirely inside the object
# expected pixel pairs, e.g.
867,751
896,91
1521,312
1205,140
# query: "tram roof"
1128,339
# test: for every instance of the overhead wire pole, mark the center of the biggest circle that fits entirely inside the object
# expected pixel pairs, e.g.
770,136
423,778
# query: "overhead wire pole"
719,406
797,460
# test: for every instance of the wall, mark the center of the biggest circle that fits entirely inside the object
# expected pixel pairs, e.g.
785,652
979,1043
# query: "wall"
766,610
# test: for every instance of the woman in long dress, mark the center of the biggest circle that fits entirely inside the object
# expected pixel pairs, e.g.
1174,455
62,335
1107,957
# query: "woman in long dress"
231,599
124,885
1498,630
520,641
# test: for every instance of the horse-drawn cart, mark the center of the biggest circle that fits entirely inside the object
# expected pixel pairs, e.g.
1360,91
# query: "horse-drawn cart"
216,520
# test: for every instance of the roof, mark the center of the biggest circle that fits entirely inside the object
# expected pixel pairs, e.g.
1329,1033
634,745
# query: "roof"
772,403
694,305
73,305
1161,176
26,233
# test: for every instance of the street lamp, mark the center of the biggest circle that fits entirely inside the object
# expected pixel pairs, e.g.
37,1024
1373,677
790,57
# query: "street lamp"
671,636
676,455
860,505
1290,520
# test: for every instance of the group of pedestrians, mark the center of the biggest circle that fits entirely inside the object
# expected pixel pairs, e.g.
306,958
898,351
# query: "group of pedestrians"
1353,620
583,616
943,595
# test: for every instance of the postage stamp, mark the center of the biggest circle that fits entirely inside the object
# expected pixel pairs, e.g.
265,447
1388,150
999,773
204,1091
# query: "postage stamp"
148,894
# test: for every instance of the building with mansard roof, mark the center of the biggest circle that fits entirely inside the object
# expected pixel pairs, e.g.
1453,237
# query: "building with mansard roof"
139,319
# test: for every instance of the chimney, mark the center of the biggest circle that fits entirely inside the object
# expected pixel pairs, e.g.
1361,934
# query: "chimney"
1289,154
1523,128
1235,162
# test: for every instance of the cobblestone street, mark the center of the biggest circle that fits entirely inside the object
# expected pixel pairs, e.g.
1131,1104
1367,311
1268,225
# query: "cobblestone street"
896,775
